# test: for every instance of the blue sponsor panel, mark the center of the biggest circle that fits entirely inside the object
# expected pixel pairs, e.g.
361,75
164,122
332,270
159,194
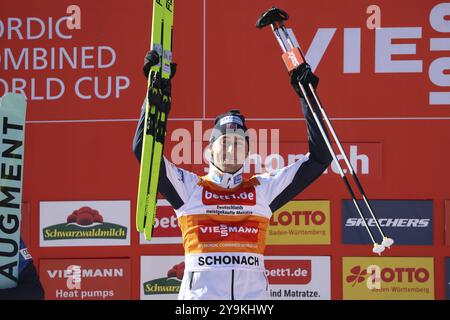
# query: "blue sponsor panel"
408,222
447,278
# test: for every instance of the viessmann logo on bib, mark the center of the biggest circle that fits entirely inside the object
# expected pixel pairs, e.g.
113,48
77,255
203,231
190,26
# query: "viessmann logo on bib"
228,231
240,196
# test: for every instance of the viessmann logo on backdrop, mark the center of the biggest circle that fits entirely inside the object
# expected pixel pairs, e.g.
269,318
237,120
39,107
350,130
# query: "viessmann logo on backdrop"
386,48
408,222
86,279
388,278
88,223
302,278
300,222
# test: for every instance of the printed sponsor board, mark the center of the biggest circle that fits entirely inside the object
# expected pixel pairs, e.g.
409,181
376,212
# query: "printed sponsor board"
161,277
408,222
388,278
86,279
84,223
299,278
300,222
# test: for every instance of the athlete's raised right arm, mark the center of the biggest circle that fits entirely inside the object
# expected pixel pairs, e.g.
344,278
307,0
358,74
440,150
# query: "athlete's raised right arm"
175,184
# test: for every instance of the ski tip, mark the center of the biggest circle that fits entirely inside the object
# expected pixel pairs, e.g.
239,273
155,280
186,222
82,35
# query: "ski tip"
148,233
147,237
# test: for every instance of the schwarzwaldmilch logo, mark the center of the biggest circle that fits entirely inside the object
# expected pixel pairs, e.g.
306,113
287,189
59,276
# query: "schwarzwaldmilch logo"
168,285
85,223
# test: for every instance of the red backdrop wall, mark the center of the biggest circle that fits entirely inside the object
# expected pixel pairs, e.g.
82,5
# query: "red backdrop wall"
80,149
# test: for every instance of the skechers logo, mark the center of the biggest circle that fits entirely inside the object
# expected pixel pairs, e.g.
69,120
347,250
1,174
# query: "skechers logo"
393,223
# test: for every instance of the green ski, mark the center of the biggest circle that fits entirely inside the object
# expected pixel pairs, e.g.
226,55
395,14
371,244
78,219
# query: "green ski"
158,105
13,109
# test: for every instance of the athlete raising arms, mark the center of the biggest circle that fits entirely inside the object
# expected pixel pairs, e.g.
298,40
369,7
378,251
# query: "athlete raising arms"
223,217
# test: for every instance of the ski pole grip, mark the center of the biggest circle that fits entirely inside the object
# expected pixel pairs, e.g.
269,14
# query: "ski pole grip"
274,16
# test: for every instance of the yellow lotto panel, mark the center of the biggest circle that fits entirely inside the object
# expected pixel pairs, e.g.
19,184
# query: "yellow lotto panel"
300,222
380,278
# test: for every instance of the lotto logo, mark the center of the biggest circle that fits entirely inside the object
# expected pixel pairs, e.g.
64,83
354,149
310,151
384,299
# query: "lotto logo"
286,218
377,275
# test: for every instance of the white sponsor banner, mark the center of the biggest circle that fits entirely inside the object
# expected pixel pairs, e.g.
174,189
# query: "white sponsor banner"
161,277
166,229
84,223
299,278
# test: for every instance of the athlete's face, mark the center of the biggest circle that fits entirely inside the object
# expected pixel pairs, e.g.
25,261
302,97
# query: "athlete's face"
229,152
